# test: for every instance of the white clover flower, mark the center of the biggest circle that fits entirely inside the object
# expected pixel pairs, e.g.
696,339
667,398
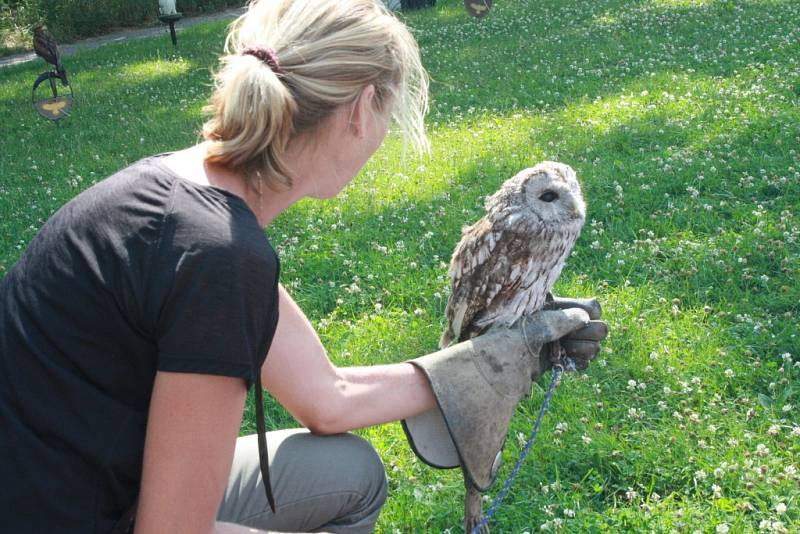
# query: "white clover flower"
787,408
719,472
631,385
716,490
586,439
700,474
723,528
762,450
729,373
780,508
795,431
774,430
568,512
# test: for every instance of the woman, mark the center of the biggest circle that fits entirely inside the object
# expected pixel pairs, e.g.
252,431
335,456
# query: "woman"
134,323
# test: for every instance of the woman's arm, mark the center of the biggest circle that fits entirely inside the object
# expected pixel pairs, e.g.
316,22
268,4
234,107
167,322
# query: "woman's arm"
192,427
327,399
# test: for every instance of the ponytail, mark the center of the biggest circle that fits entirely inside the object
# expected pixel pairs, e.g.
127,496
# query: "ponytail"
253,120
323,54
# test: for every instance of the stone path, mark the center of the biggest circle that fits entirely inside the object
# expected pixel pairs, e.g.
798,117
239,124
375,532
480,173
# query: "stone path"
123,35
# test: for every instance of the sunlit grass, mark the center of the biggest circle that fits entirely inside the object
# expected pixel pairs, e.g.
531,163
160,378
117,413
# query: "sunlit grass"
681,119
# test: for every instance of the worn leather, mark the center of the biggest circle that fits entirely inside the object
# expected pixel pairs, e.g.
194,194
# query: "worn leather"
477,385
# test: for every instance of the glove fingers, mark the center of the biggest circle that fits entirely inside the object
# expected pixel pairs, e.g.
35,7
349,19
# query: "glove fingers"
579,349
548,325
590,306
594,331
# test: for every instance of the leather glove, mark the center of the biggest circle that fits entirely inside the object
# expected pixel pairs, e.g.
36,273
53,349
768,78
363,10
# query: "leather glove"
477,385
582,345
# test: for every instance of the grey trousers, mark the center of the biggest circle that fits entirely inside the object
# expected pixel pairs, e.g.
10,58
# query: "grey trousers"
321,483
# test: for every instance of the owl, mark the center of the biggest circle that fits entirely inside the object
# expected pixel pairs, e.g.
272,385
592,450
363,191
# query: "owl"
506,263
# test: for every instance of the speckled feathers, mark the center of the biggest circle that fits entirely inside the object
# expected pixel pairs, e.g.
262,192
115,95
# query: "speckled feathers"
507,262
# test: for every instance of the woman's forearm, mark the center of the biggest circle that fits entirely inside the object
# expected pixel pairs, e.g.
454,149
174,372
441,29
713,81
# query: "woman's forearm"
377,394
329,399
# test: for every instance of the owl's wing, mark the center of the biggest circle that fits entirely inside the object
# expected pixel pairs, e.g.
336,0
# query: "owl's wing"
484,265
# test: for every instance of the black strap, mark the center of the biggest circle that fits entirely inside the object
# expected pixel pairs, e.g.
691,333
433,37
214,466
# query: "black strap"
126,522
263,455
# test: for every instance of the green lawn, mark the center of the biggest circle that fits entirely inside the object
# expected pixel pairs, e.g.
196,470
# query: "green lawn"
681,118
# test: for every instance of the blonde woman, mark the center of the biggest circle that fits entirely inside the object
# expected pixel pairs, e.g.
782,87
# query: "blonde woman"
133,325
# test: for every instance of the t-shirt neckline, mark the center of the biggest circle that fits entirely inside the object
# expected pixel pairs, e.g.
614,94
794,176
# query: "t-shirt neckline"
157,160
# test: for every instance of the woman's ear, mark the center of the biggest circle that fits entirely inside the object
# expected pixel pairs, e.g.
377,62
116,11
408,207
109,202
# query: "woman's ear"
363,109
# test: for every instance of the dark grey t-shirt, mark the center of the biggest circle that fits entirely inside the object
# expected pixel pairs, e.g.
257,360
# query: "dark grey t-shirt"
142,272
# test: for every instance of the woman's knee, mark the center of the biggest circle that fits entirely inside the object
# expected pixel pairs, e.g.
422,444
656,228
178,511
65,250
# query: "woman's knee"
368,463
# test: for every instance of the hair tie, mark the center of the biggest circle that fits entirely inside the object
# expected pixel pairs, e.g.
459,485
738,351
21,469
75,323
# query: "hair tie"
265,54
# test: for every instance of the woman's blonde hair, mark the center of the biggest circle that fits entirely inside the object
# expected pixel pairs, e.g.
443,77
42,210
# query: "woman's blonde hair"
328,51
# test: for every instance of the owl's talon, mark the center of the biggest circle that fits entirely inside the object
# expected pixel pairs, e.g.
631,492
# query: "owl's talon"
470,524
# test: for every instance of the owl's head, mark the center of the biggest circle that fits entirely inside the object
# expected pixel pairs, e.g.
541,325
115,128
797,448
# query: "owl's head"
548,192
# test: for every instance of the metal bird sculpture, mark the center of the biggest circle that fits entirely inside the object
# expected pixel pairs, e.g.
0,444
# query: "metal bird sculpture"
56,106
46,48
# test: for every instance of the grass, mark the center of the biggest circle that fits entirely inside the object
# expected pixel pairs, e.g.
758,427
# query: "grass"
681,118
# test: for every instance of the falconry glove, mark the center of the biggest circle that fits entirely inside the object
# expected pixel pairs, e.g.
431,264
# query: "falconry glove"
583,345
478,384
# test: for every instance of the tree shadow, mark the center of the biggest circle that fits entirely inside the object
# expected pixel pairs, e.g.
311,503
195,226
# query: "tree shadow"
567,53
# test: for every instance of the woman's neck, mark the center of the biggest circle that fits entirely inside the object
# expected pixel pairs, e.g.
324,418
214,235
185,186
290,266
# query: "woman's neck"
265,202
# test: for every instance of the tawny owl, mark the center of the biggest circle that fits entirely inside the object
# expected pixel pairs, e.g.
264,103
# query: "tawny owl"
507,262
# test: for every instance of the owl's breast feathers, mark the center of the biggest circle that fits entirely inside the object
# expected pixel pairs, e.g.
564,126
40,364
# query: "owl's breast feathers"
500,271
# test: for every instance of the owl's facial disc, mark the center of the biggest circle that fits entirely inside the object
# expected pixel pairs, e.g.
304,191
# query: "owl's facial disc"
551,197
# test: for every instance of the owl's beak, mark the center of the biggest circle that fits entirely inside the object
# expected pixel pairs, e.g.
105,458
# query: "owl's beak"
578,209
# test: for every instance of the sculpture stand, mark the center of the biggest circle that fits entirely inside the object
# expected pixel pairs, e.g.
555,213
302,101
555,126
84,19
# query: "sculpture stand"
171,20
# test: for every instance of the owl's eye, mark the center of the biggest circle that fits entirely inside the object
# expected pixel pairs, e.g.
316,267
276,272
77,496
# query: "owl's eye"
548,196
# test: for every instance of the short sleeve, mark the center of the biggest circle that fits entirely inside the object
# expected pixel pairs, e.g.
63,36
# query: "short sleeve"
220,314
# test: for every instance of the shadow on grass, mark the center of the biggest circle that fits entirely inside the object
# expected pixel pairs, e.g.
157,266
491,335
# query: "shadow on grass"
557,56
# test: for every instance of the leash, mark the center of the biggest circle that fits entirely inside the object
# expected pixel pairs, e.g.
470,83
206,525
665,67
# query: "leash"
558,369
